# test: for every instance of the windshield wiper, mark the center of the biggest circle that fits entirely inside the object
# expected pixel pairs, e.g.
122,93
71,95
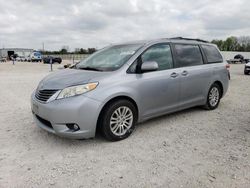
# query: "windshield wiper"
89,68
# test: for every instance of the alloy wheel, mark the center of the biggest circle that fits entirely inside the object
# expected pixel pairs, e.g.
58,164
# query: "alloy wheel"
121,120
214,96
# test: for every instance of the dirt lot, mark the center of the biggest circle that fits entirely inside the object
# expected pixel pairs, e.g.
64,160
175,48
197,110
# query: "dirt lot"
192,148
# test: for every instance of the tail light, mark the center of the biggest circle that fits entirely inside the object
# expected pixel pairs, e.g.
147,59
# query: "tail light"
227,66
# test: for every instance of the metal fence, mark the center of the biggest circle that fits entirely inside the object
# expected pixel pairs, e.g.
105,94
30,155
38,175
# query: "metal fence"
71,56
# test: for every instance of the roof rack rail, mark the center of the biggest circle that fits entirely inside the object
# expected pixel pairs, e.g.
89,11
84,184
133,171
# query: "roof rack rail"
183,38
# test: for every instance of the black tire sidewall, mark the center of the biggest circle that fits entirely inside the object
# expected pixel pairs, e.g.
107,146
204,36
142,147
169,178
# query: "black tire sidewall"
105,119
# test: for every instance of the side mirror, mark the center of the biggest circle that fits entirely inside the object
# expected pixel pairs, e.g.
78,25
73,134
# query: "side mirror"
148,66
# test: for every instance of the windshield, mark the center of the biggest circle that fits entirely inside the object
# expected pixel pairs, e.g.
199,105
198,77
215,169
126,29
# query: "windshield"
110,58
37,54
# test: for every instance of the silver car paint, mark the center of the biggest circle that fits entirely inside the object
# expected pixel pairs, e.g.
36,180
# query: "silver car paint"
155,93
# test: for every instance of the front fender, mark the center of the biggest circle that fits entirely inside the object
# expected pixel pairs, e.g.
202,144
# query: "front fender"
107,94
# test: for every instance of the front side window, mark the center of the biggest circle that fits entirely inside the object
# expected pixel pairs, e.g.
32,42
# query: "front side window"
212,53
160,53
188,55
110,58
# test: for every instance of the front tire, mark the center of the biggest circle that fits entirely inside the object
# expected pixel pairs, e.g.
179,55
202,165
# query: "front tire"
213,97
118,120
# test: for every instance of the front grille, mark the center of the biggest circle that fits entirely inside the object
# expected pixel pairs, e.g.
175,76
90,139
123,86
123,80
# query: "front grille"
44,95
44,122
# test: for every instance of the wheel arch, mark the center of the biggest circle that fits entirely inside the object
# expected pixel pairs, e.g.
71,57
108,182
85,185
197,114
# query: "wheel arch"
221,87
116,98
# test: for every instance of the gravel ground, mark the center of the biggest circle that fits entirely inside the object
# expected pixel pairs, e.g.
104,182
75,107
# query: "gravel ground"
192,148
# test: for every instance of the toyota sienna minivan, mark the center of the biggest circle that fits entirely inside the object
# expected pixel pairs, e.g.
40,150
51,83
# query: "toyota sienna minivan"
124,84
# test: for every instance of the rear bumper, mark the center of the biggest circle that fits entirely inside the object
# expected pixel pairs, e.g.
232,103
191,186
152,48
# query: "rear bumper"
54,116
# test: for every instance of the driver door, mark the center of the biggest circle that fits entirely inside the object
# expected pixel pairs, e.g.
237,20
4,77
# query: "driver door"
159,89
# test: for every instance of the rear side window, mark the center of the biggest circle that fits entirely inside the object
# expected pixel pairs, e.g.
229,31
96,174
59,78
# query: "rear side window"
188,55
160,53
212,53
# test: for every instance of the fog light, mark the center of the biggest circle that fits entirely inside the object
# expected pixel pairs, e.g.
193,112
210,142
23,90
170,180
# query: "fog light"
73,126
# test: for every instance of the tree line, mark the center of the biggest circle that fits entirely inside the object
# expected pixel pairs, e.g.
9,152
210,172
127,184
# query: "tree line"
232,43
65,50
241,44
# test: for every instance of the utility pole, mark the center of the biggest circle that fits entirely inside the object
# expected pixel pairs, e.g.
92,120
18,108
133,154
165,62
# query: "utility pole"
43,46
51,62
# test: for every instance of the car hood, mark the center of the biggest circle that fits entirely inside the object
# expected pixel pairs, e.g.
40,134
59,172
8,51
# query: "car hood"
248,64
69,77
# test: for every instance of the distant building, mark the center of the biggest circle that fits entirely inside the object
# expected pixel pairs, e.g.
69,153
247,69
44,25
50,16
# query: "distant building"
7,52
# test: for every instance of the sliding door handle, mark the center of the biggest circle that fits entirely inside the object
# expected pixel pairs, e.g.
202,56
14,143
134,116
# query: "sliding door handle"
174,75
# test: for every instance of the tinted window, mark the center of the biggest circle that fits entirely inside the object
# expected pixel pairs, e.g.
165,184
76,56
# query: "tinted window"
161,53
188,55
212,53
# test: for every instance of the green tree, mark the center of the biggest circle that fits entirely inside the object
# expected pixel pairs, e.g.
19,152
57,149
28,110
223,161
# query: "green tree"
63,51
247,47
230,44
83,51
91,50
219,43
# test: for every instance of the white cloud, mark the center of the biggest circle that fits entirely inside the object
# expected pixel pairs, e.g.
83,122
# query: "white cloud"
96,23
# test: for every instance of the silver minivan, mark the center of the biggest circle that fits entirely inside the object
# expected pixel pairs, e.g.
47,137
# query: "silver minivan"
123,84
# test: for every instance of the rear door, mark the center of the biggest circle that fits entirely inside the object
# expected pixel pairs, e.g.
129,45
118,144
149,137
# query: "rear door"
194,74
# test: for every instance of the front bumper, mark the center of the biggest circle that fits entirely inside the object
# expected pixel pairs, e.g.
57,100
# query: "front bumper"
54,116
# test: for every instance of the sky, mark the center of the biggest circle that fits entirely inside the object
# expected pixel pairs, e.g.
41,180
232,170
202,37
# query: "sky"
98,23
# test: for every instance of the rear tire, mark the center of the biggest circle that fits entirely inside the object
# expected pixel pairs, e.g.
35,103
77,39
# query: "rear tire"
213,97
118,120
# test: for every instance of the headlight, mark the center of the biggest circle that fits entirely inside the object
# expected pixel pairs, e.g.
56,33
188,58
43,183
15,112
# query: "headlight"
76,90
